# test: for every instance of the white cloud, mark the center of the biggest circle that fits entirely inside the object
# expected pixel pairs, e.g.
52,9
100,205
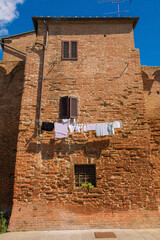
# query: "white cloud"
3,31
8,13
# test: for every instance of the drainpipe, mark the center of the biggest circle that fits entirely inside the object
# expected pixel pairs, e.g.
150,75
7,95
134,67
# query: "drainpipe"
42,78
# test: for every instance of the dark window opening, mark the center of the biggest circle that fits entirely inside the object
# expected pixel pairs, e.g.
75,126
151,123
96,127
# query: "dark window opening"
157,92
68,107
69,50
85,174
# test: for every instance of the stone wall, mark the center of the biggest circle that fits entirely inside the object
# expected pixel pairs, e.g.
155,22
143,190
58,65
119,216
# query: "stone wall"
20,42
11,88
151,86
107,81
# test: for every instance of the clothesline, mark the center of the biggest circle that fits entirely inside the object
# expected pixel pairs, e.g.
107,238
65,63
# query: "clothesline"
102,129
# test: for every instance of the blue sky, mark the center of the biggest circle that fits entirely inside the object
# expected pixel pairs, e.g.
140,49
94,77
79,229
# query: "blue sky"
16,17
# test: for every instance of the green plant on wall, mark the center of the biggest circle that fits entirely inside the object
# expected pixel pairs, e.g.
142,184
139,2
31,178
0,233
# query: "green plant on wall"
87,186
3,223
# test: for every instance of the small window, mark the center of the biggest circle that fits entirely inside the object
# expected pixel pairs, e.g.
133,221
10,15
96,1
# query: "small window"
69,50
85,174
68,107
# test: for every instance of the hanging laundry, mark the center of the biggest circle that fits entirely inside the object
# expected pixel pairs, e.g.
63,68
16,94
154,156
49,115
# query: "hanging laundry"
78,128
66,121
47,126
117,124
89,127
71,127
101,129
61,130
84,128
110,128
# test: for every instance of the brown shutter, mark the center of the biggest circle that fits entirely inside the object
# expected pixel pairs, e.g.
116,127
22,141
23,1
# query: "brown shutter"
64,107
73,107
73,49
65,49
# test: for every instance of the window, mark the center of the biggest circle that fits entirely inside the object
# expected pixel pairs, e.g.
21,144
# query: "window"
85,174
68,107
69,50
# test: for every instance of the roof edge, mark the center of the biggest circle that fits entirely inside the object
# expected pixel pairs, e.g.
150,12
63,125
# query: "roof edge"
19,34
90,19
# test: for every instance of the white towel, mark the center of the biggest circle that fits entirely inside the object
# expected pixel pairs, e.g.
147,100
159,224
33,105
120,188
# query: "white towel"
117,124
60,130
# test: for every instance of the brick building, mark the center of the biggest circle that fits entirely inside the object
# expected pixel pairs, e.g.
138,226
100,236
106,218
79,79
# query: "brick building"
85,69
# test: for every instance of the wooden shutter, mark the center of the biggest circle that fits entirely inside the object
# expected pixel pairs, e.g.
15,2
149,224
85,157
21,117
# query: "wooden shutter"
65,50
74,50
73,107
64,107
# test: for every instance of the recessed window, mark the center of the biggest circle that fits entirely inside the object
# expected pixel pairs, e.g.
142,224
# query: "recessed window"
85,174
68,107
69,50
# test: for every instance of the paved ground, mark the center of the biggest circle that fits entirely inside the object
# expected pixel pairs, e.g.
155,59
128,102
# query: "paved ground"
121,234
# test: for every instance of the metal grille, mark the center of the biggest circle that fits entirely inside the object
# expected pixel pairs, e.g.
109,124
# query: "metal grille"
85,174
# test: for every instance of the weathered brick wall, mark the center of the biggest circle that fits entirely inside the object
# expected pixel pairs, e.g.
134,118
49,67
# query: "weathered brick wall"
107,80
11,88
19,42
151,85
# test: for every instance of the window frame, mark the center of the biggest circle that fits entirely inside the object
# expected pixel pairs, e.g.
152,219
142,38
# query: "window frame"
95,175
70,50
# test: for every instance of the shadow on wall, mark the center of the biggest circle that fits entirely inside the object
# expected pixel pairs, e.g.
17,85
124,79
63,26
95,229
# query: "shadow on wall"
63,148
11,88
14,53
148,83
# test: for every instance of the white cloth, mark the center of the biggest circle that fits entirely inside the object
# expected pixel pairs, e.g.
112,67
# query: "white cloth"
78,128
117,124
110,128
85,128
101,129
66,121
91,126
71,128
60,130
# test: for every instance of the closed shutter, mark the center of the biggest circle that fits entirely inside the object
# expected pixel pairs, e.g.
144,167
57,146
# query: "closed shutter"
69,50
65,50
73,107
73,49
64,107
